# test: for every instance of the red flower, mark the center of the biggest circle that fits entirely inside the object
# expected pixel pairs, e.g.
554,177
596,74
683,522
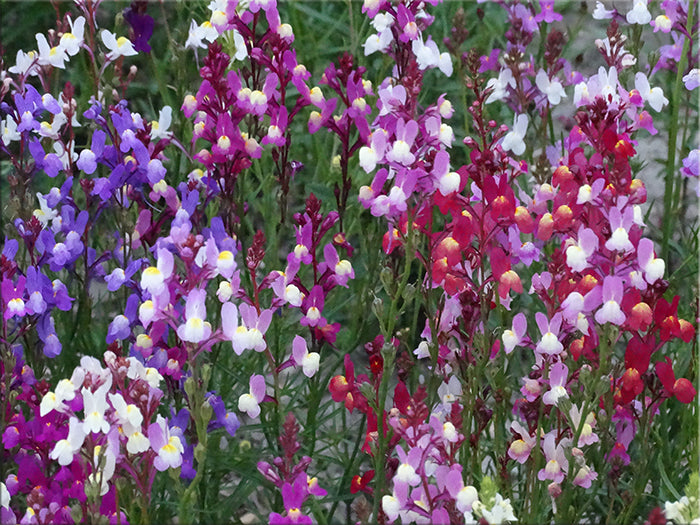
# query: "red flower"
681,388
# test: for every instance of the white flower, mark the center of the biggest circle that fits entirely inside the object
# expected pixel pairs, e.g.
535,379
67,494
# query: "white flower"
513,141
66,448
552,88
71,41
654,96
118,47
600,13
9,130
639,13
159,129
499,85
54,56
205,31
25,63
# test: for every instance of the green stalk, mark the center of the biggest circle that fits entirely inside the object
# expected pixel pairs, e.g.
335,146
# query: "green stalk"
671,200
388,353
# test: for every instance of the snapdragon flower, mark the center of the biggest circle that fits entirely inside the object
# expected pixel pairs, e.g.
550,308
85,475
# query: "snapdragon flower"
552,88
513,141
73,39
53,56
250,403
118,47
65,449
168,447
309,361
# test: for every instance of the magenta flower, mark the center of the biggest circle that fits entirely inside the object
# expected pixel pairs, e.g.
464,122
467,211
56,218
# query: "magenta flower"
312,307
293,496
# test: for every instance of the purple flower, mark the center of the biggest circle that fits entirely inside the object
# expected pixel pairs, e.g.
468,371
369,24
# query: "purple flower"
547,12
141,24
549,344
558,375
47,334
612,294
293,497
225,419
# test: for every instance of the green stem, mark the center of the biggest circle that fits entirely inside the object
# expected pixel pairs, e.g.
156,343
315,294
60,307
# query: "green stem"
389,354
670,201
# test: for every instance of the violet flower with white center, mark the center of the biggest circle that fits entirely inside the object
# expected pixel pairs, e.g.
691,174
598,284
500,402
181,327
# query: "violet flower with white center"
549,344
250,403
558,374
309,361
312,307
464,495
555,455
287,292
587,436
195,329
400,151
408,463
342,269
519,449
612,294
153,277
653,267
168,447
577,254
515,336
513,141
552,88
619,226
374,153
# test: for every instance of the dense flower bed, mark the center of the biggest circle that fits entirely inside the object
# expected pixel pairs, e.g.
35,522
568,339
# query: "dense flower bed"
420,283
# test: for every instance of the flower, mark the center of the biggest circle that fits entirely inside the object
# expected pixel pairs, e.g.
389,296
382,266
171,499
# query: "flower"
513,141
95,405
250,403
639,14
168,447
195,329
118,47
66,448
552,88
309,361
